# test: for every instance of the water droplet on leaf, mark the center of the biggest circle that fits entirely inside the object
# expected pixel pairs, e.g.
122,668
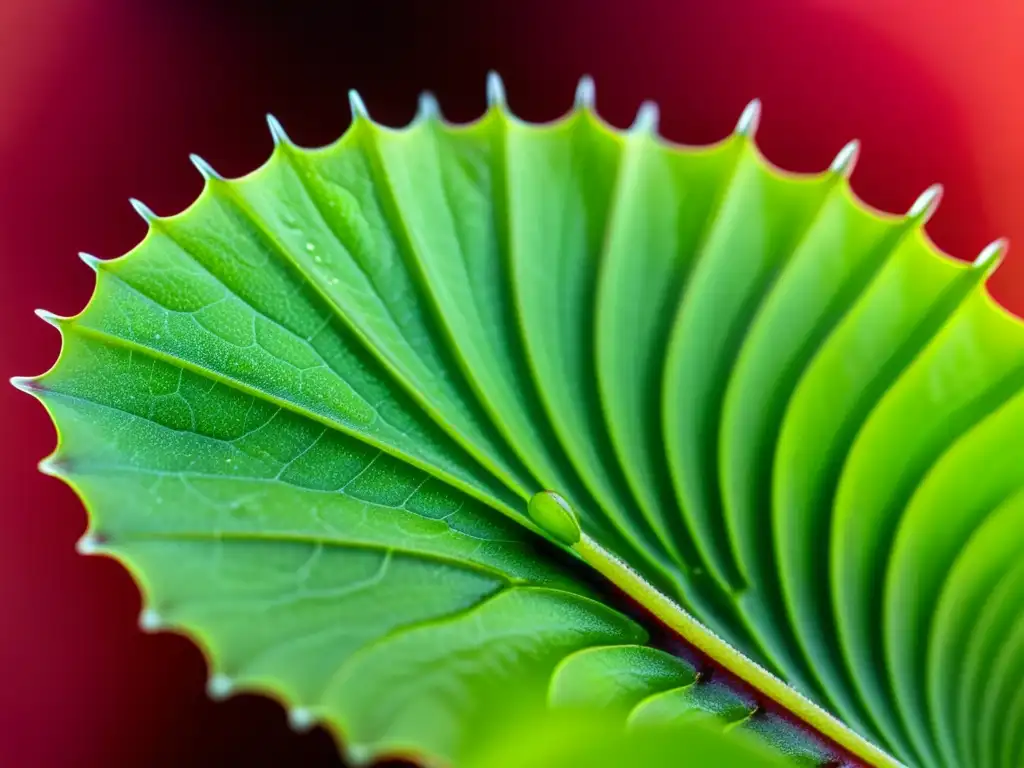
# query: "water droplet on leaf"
554,514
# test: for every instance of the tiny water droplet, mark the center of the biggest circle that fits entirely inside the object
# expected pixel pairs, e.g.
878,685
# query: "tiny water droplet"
310,247
157,337
317,259
555,515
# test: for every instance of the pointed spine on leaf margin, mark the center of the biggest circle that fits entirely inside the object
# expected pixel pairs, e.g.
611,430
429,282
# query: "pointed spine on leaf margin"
359,754
428,107
495,91
357,106
219,686
586,94
150,620
92,262
301,719
205,169
846,159
646,120
749,120
991,256
277,132
52,466
926,204
143,210
49,317
27,384
89,544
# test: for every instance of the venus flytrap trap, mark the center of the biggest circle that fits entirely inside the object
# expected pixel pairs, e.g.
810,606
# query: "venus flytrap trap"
315,413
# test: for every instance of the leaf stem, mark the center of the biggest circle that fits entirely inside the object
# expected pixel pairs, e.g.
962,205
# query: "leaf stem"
719,651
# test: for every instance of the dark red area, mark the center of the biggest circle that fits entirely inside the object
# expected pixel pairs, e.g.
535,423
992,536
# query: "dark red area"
104,99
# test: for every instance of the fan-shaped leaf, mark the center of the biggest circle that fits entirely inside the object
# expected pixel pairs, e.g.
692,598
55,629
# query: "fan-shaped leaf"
311,411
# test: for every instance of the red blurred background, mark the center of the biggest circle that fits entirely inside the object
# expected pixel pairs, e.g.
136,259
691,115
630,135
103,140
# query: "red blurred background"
103,99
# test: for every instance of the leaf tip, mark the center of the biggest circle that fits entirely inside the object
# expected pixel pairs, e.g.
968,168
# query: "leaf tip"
357,106
586,93
300,719
143,210
846,159
749,120
495,90
205,169
277,131
150,620
926,204
556,516
428,108
991,255
646,120
219,686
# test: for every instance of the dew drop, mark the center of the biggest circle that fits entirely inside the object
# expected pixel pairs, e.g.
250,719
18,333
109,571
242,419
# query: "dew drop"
555,515
310,247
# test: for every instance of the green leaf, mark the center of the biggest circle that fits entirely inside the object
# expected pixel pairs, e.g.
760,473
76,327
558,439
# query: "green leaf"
617,678
593,737
375,424
651,689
